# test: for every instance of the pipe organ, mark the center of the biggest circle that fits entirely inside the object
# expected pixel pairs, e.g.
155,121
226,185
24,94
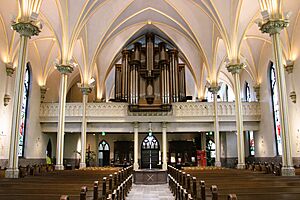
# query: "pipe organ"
150,77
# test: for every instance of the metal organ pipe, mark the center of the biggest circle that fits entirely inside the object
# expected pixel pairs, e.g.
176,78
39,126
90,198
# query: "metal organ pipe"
125,74
165,85
134,77
174,74
182,90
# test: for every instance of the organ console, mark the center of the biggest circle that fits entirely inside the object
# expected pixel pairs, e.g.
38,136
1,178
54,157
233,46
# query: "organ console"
150,77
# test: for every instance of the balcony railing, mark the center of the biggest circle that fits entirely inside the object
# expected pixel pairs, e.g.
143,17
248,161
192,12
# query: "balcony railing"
194,111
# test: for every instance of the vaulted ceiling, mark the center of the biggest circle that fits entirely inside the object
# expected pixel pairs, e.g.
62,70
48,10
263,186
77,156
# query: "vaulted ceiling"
93,32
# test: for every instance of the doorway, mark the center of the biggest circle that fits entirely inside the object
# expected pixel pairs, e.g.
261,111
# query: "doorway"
104,154
150,152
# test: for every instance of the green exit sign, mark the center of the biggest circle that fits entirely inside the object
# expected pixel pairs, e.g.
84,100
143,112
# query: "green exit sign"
103,133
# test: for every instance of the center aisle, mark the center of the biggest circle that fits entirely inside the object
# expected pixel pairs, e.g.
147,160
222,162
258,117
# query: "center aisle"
150,192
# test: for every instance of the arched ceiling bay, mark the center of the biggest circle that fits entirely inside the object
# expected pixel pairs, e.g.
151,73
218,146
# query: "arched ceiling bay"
92,32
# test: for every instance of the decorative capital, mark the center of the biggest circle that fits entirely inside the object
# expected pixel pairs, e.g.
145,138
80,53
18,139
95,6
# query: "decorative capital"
6,99
235,68
27,29
289,67
214,89
135,124
257,91
43,90
273,26
85,90
164,124
293,96
9,69
64,69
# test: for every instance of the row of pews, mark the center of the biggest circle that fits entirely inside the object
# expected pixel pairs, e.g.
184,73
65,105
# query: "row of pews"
114,187
31,170
265,167
184,186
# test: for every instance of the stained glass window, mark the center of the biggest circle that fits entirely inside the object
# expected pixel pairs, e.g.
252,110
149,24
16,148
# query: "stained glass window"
150,142
251,143
24,111
276,114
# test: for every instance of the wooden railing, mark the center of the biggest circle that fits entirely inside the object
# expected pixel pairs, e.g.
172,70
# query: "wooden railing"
115,187
184,187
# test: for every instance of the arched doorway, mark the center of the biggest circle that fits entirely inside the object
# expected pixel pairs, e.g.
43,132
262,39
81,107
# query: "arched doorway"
104,152
150,152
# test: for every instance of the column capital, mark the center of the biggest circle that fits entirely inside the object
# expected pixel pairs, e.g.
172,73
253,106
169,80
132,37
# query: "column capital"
43,90
26,29
85,90
257,91
9,69
214,89
289,67
64,68
235,68
135,124
164,124
273,26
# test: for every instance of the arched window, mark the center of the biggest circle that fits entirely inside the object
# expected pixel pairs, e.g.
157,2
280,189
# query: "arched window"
276,114
104,153
247,92
24,111
150,142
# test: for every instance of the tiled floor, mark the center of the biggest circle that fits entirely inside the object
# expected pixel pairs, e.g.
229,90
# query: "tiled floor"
150,192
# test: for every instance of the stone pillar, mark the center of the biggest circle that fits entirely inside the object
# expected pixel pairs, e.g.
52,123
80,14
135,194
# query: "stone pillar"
64,70
9,73
273,27
85,94
235,69
164,141
26,31
214,89
136,145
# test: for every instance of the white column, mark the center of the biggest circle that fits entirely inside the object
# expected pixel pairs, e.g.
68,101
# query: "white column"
274,27
164,141
85,94
64,70
136,145
215,89
235,69
26,30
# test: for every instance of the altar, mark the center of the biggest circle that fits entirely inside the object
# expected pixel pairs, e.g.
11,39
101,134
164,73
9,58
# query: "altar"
150,176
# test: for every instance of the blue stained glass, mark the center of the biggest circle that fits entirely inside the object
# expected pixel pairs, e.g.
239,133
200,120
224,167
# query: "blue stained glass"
23,116
276,113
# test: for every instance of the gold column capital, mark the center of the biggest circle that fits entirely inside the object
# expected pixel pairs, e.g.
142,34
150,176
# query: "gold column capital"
135,124
64,69
43,90
235,68
289,67
27,29
273,26
9,69
214,88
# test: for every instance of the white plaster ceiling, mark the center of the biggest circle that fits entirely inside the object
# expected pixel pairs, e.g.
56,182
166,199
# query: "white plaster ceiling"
93,32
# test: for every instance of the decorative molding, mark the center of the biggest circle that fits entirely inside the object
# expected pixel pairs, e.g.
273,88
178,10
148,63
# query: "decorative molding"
26,29
273,26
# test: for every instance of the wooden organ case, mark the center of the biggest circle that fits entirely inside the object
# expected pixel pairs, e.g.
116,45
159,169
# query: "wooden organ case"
150,77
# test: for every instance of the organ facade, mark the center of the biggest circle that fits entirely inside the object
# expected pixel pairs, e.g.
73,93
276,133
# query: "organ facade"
151,75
